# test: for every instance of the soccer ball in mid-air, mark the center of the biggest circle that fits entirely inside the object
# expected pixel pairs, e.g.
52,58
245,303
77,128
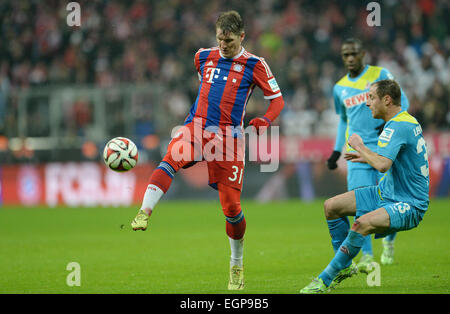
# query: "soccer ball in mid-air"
120,154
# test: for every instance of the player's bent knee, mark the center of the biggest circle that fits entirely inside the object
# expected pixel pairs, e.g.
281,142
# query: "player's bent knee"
179,159
326,207
230,200
176,165
329,209
363,226
232,210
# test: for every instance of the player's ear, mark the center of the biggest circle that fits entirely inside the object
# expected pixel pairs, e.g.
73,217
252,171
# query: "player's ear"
242,36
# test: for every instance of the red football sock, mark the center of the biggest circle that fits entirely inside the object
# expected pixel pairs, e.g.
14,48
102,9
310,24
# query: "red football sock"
236,231
161,179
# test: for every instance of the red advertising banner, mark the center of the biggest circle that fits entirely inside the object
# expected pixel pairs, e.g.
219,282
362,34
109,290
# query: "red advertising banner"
93,184
315,148
72,184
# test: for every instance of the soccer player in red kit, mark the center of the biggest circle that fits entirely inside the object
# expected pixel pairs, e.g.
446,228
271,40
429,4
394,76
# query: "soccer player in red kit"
213,131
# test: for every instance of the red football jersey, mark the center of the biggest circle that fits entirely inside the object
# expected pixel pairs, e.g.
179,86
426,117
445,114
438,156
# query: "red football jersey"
226,85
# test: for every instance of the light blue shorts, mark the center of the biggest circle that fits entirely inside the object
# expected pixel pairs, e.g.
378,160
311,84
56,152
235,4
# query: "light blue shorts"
358,178
402,215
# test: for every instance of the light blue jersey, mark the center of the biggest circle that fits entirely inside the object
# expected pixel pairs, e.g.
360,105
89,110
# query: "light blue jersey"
350,97
407,180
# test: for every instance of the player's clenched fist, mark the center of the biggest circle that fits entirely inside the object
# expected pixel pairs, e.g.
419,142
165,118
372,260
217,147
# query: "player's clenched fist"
260,124
355,140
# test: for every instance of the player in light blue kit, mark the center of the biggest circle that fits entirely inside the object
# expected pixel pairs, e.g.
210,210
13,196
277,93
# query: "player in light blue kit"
399,201
350,97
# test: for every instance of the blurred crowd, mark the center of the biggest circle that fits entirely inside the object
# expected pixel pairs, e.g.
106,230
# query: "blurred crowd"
145,42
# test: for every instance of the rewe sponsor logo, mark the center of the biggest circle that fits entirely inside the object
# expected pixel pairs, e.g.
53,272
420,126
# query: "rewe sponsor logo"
356,100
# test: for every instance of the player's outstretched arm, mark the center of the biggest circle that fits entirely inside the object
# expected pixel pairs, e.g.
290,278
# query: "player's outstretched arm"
381,163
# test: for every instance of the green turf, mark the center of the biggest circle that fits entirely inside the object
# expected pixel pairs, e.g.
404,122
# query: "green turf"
186,250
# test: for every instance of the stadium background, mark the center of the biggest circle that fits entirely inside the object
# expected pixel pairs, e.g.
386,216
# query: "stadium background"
128,71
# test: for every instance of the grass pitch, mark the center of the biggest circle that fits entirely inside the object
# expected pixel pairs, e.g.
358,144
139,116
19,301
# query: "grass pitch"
185,250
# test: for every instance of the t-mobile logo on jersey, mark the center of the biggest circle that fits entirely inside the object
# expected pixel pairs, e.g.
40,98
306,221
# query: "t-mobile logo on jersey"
210,74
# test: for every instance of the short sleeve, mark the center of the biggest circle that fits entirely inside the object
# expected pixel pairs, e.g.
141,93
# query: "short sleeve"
385,74
337,101
391,140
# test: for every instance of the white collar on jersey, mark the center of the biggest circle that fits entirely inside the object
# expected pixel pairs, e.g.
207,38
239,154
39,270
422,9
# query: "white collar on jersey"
236,56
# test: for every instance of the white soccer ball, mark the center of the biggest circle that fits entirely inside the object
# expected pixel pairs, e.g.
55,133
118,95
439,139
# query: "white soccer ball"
120,154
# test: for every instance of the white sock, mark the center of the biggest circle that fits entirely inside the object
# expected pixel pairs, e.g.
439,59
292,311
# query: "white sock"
151,198
237,252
